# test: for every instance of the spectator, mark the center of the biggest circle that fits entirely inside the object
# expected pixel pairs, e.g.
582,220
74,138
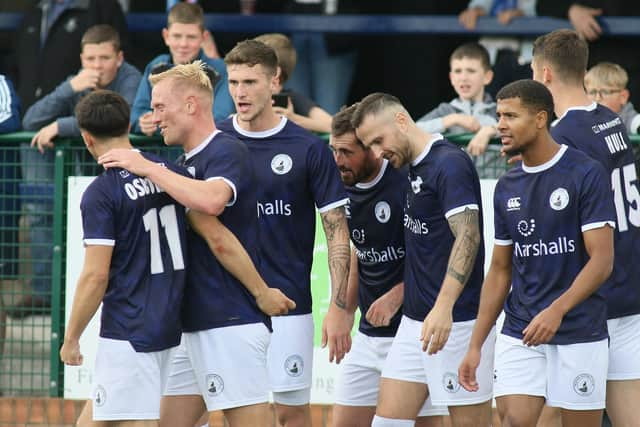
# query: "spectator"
184,36
510,57
48,42
9,176
473,110
606,83
103,67
299,108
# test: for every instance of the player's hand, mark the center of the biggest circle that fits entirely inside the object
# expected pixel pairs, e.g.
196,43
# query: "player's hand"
468,18
467,370
382,310
70,352
542,327
147,126
124,158
435,329
508,15
273,302
85,79
336,332
44,137
584,21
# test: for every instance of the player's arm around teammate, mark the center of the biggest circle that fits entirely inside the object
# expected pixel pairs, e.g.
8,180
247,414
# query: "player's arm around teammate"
208,199
336,327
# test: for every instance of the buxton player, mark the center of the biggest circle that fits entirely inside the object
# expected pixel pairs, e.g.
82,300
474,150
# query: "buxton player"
554,222
295,175
443,269
559,62
374,214
134,234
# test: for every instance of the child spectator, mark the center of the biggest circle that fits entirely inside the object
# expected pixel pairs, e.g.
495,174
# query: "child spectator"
606,83
474,110
184,36
300,109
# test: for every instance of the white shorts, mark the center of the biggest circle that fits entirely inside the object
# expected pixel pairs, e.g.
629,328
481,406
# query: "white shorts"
407,362
570,376
290,354
128,385
624,348
359,377
227,366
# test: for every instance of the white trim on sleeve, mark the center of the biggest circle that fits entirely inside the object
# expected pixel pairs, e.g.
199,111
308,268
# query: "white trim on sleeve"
230,184
333,205
473,207
99,242
594,225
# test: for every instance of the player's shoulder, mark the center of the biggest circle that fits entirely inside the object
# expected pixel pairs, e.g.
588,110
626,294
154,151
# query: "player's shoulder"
296,133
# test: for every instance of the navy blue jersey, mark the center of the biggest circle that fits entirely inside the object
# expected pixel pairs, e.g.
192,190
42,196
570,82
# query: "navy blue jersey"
600,133
375,214
443,182
213,297
542,212
296,173
146,228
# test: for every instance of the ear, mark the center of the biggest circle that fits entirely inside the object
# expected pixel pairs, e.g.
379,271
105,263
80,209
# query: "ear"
624,96
547,74
120,58
541,119
165,36
88,139
488,76
401,120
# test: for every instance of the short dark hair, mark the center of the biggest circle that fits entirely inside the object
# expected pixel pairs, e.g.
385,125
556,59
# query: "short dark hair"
186,13
104,114
473,51
533,95
251,53
565,50
341,121
373,104
101,34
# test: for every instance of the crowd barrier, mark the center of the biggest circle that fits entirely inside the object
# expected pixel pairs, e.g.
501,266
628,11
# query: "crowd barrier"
30,339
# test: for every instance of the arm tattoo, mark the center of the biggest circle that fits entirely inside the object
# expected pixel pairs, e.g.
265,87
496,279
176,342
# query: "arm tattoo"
336,231
465,227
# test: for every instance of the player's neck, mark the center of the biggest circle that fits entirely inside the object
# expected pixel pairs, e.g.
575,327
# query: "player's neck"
374,172
540,152
105,145
565,97
199,132
418,141
264,121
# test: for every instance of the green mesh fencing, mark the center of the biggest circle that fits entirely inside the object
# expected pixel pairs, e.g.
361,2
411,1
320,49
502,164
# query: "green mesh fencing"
32,251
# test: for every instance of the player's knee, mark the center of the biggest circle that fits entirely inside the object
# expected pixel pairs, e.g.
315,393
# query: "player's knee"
379,421
511,418
292,408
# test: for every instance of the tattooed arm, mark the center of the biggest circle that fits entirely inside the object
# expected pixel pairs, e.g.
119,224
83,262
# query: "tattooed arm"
465,227
336,328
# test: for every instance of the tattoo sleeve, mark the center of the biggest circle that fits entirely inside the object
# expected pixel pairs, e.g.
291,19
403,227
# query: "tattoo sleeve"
336,231
465,227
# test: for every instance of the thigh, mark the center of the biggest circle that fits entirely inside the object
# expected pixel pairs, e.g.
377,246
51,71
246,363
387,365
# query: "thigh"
230,365
624,348
577,375
352,416
256,415
519,410
622,401
400,399
127,385
290,353
442,369
519,370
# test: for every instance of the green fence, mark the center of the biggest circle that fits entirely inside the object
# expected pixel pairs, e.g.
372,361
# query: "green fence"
33,256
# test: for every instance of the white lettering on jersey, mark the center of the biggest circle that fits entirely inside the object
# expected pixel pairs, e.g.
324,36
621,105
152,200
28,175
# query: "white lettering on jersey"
276,207
415,225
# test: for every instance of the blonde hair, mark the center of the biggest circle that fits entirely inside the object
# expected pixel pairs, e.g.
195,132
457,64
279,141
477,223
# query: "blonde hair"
285,52
192,75
607,74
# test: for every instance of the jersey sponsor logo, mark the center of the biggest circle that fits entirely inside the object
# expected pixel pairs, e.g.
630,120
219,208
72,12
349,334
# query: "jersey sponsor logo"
276,207
559,199
600,127
140,187
526,228
416,185
373,255
615,142
584,385
215,384
99,395
562,245
450,382
383,212
415,225
358,235
281,164
513,204
294,365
